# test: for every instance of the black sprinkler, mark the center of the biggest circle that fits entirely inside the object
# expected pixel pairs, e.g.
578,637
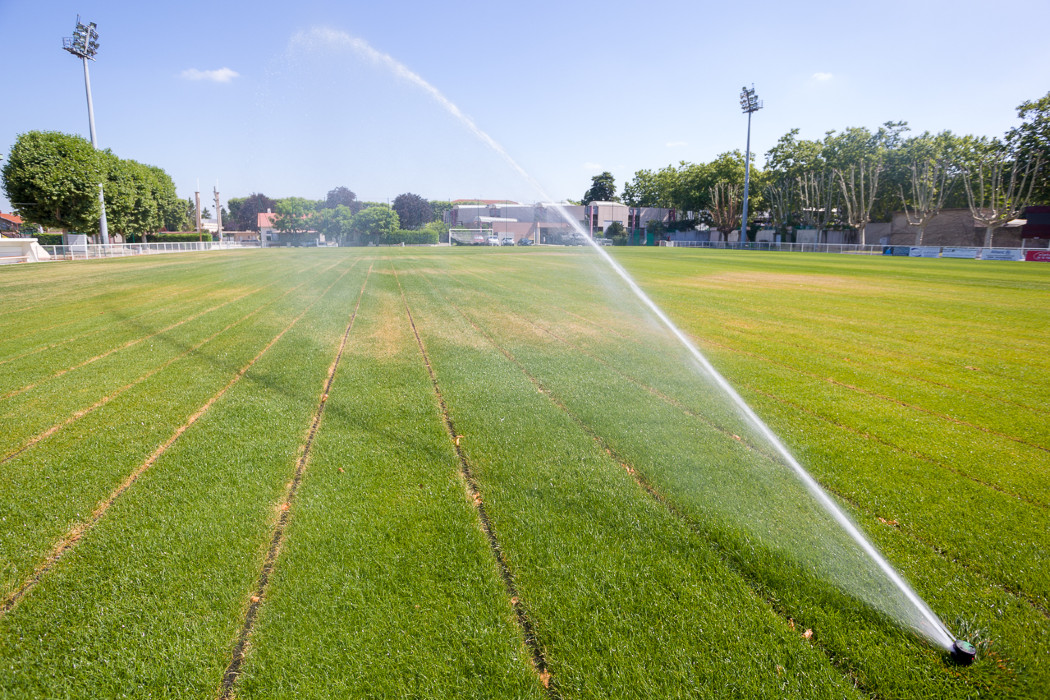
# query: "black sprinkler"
963,653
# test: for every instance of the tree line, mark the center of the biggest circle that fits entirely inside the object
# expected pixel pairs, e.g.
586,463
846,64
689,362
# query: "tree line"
853,177
340,216
52,179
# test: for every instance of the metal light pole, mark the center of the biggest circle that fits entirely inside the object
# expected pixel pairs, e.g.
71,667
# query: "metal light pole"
750,104
84,45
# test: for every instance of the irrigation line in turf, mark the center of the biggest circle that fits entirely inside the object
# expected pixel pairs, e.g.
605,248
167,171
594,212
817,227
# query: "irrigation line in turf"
233,670
77,415
80,529
539,662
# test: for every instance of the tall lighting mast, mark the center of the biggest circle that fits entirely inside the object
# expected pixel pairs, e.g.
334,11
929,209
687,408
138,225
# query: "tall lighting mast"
84,45
749,104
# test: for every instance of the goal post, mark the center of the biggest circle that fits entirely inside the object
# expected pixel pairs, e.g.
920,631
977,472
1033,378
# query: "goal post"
468,236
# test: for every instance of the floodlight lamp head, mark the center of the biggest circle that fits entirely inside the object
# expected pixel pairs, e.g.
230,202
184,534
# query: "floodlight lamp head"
84,42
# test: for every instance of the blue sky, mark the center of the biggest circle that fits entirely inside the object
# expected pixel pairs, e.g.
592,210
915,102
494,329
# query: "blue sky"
295,98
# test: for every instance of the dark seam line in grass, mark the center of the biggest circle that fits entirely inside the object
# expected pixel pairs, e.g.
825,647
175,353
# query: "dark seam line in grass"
77,415
233,670
531,640
648,488
79,530
87,334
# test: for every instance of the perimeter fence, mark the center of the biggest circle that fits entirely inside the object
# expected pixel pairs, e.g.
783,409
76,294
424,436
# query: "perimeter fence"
962,252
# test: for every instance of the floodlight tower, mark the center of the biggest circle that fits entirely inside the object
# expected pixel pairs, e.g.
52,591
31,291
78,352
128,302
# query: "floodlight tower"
749,103
84,45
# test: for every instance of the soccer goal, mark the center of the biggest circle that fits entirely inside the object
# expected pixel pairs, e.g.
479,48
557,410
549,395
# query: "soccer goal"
468,236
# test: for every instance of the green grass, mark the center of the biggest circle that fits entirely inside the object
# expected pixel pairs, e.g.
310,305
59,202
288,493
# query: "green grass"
653,541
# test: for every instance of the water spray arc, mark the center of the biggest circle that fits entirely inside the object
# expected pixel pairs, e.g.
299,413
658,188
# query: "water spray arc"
926,622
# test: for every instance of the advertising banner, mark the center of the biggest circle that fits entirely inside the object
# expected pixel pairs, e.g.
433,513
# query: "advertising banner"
896,250
924,251
1000,254
970,253
1037,255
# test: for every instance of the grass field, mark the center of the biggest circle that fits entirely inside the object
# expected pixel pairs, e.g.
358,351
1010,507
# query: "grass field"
485,473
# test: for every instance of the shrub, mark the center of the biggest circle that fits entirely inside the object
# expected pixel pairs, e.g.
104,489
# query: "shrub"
420,237
189,237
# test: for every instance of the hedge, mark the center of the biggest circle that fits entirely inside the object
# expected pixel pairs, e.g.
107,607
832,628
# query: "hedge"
407,237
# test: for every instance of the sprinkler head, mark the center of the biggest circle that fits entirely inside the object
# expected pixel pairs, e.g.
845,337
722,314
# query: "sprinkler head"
963,652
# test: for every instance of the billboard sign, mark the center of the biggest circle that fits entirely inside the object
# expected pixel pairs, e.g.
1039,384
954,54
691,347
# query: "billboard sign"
1037,256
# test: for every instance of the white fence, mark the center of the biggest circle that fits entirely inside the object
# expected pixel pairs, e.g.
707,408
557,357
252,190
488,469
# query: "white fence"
857,249
121,250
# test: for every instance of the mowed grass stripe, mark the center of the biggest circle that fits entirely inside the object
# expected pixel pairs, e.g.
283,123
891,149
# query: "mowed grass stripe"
233,670
386,587
534,645
152,599
627,600
80,529
47,493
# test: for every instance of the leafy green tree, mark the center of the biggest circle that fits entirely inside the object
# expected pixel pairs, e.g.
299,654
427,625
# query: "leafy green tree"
342,197
131,209
244,211
52,179
293,215
603,189
412,210
1030,144
370,225
335,223
439,207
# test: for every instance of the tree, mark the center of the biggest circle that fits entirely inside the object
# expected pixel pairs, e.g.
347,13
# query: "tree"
371,224
860,184
1029,143
998,190
52,179
931,181
412,210
244,211
726,207
293,215
342,197
335,223
438,207
817,199
603,189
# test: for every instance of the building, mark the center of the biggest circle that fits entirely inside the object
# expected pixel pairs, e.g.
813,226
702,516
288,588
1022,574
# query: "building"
552,222
270,237
10,223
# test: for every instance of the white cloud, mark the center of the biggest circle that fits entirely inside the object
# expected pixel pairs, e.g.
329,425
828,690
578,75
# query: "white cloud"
822,77
222,75
676,144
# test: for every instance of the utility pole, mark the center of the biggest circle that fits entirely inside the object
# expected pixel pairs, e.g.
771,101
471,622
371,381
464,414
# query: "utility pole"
197,213
84,45
218,213
750,104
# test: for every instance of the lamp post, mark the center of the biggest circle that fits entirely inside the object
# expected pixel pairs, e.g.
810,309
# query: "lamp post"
84,45
749,104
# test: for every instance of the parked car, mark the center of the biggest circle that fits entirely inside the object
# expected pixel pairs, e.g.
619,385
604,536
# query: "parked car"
493,240
478,239
525,241
506,241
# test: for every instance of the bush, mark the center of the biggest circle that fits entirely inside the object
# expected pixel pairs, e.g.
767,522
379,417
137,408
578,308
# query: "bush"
48,238
420,237
190,237
619,240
